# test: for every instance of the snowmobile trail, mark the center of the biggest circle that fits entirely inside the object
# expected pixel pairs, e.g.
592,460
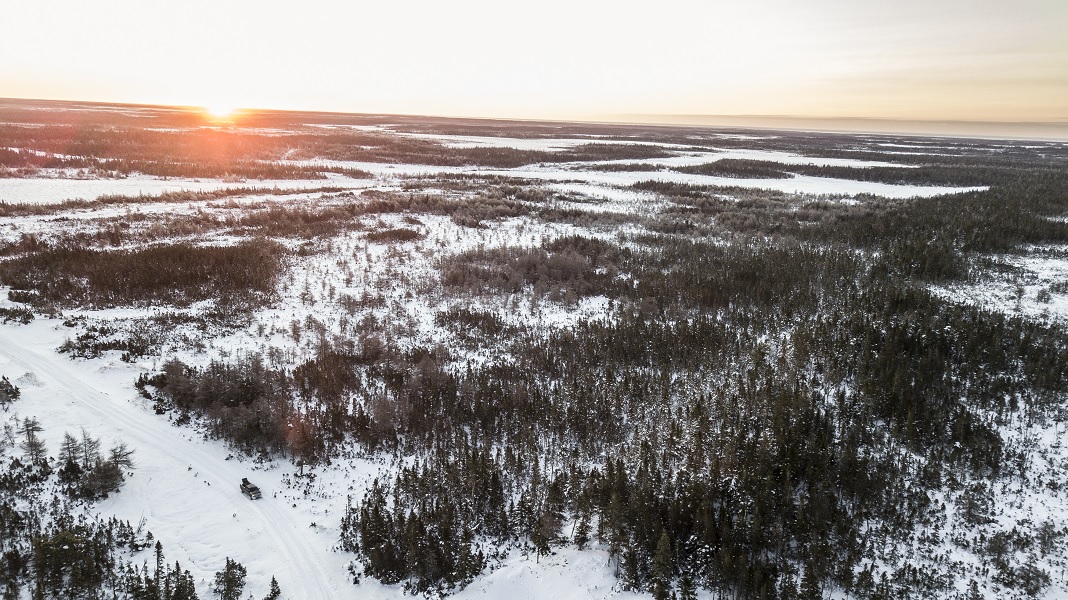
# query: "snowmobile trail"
183,486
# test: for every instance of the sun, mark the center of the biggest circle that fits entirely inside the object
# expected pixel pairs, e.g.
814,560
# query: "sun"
220,112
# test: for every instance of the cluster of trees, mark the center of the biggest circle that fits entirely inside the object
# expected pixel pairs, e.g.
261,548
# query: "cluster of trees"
565,269
84,473
18,314
473,327
415,542
88,474
246,403
241,276
49,549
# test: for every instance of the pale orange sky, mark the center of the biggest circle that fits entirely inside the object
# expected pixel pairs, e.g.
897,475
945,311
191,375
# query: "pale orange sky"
908,59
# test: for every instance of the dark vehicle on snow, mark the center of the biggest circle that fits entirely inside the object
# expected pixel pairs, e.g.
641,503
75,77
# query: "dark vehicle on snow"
250,489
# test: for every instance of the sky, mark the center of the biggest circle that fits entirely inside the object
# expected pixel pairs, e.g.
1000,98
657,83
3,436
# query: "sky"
963,60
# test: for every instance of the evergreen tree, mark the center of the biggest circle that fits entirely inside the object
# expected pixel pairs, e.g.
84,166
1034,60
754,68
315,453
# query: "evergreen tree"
687,588
663,568
275,593
582,531
90,451
8,393
810,584
230,582
32,445
69,449
184,587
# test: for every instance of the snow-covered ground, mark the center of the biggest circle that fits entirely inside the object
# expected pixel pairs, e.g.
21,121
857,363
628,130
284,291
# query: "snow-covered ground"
1036,286
184,486
51,190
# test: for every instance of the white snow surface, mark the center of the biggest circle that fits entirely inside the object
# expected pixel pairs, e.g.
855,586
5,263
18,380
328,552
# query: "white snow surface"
1034,290
52,190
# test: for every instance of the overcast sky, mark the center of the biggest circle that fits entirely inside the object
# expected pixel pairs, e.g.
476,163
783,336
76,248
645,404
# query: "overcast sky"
910,59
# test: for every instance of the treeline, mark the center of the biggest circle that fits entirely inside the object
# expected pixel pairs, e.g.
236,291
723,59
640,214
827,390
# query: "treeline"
27,163
907,174
565,270
8,209
211,152
207,146
740,168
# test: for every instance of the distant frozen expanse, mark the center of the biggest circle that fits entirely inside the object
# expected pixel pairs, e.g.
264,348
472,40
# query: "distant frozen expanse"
682,156
57,188
51,191
608,180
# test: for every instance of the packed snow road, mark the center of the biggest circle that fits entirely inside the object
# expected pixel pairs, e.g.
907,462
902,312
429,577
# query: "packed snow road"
183,487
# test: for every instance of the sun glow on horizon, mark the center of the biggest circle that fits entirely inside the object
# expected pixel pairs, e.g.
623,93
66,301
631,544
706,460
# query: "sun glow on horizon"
220,112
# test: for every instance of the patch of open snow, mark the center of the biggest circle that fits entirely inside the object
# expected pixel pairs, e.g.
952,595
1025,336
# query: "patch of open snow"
789,158
1026,292
799,184
610,198
567,573
332,126
40,153
50,191
740,136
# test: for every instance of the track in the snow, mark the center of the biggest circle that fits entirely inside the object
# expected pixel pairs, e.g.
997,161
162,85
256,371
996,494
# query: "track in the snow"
306,577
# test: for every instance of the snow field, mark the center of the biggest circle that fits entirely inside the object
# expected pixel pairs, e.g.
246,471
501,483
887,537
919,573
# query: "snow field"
185,486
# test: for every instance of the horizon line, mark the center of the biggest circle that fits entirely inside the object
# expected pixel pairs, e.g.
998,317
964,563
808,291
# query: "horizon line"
1055,130
1022,130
